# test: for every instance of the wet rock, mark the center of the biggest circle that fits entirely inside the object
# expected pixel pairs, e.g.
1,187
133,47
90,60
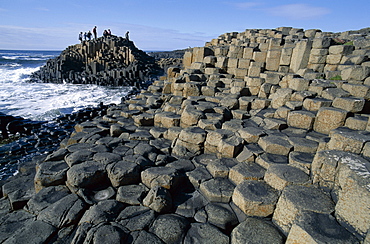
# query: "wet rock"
104,194
90,174
57,155
157,132
122,150
123,173
166,177
187,204
144,149
221,215
64,212
205,233
131,194
4,206
78,157
141,136
217,190
19,191
159,199
106,233
199,175
106,158
116,130
104,211
254,230
46,197
80,147
108,141
182,165
36,231
136,218
50,173
81,233
64,235
11,223
170,228
145,237
318,228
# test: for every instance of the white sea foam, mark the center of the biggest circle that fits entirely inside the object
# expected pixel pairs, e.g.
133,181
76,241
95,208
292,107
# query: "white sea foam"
14,74
45,101
40,101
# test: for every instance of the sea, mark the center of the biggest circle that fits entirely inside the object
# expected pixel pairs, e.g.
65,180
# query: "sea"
45,101
42,101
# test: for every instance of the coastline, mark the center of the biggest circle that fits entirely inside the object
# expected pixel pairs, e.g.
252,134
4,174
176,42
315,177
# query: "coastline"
218,150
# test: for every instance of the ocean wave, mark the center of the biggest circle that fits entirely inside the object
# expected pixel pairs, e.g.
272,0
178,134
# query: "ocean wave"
26,58
14,74
45,101
10,65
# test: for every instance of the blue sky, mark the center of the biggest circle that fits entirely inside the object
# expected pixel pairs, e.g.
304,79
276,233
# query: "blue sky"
166,24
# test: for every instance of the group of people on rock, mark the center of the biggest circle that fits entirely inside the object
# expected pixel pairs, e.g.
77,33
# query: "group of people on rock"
88,35
107,33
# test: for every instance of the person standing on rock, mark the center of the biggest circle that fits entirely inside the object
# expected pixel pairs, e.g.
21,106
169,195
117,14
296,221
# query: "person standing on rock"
127,38
95,32
89,35
80,37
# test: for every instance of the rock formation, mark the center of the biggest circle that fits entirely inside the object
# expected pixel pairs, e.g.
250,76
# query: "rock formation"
110,60
262,137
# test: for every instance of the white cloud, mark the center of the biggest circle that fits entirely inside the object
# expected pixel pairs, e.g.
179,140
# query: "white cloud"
299,11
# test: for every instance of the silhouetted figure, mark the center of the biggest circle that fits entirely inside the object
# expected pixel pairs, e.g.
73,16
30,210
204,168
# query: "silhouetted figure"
105,33
85,36
127,37
95,32
109,32
89,35
80,37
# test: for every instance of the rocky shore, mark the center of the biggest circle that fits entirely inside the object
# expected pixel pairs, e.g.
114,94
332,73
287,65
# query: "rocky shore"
106,61
261,136
21,139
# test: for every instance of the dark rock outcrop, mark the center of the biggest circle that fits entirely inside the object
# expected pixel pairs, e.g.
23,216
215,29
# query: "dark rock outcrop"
112,61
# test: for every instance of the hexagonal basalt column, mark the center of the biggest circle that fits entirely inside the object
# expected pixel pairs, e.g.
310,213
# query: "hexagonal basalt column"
255,198
217,190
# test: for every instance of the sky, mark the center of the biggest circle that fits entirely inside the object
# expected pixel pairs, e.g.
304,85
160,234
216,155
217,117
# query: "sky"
159,25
